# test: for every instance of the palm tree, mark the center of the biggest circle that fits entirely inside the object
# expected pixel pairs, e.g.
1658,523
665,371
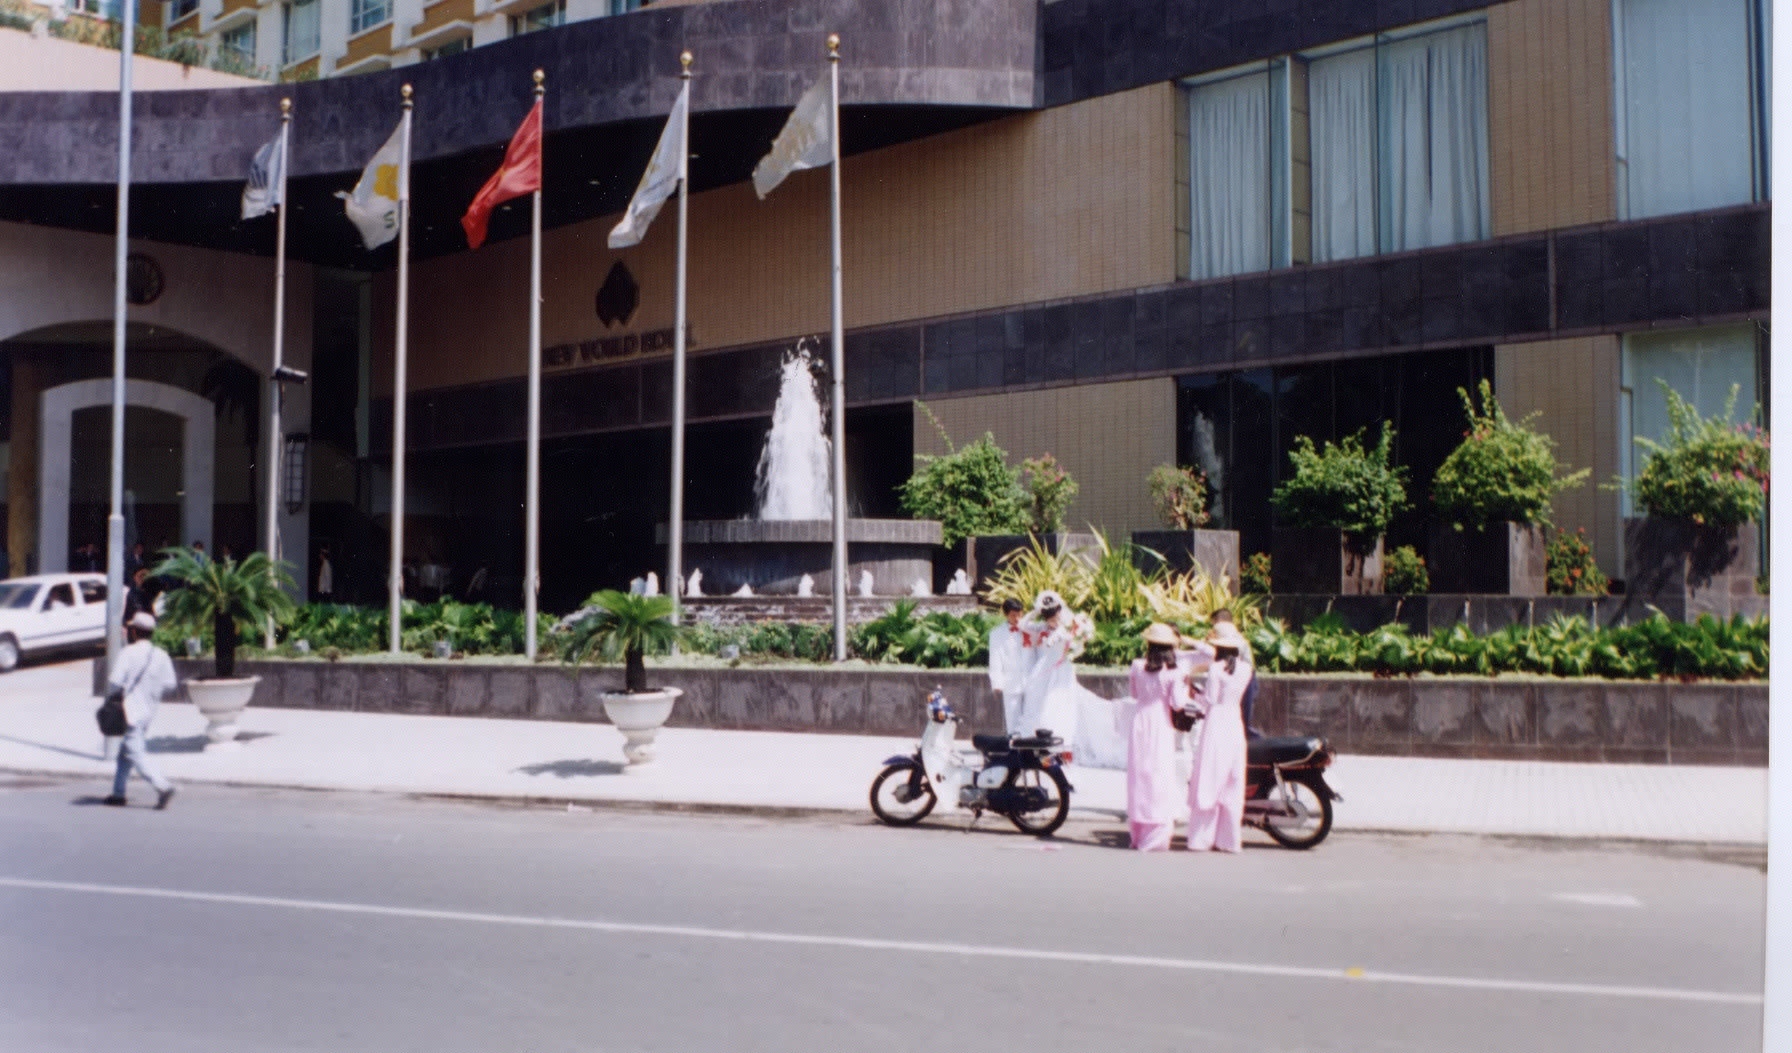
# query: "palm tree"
626,626
231,596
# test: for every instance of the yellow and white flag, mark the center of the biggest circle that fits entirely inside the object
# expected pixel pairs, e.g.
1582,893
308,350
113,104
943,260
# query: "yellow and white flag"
658,182
805,142
373,207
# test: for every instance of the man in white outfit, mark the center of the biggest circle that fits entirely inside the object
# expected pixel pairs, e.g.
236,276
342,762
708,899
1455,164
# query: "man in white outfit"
145,674
1009,662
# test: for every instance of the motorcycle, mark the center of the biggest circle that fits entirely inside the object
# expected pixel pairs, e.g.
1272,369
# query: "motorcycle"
1285,792
1020,777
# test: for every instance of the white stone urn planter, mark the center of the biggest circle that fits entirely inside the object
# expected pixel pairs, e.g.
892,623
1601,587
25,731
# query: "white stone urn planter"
221,701
639,717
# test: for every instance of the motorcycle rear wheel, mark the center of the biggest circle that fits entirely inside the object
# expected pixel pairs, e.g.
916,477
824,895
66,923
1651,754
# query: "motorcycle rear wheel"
1293,832
1045,821
886,800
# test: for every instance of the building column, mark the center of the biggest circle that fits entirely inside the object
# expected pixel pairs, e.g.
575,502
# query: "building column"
21,486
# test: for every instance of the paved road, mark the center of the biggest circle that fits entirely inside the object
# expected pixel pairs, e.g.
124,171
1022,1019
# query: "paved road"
247,920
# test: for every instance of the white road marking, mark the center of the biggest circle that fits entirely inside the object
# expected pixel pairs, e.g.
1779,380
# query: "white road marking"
1350,975
1598,899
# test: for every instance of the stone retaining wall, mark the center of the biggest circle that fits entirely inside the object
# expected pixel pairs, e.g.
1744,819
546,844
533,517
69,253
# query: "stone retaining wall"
1654,723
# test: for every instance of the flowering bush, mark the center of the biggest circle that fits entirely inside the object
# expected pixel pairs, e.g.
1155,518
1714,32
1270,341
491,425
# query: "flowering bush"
1503,472
1051,489
1345,485
1253,574
1180,496
1709,470
1569,568
1405,572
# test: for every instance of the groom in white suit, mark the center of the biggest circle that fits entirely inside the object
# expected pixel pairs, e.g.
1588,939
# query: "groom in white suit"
1010,659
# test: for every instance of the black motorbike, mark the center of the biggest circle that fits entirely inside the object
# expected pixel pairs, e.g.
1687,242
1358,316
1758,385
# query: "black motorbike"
1020,777
1285,794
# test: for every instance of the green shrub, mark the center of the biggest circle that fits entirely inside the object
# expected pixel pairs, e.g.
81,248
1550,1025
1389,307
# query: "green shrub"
1405,573
970,489
1709,470
1050,490
1345,485
1503,472
1180,496
1569,567
1253,574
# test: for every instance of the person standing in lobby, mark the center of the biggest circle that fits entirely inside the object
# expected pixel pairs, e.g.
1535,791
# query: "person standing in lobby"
1010,658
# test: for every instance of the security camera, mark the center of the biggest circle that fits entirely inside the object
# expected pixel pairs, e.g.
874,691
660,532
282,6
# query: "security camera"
289,375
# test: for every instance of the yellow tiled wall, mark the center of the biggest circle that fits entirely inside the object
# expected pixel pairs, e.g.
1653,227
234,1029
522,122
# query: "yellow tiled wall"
1550,114
1108,436
1574,383
1071,201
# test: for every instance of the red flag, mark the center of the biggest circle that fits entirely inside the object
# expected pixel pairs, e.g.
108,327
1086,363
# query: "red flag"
519,174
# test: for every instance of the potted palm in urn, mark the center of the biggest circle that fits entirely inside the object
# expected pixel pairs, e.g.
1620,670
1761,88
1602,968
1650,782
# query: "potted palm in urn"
227,597
630,627
1493,495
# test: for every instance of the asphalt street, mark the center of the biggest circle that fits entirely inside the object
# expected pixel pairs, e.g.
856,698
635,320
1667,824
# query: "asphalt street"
247,920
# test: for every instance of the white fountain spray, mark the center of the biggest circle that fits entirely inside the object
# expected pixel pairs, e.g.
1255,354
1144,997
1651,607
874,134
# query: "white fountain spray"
792,480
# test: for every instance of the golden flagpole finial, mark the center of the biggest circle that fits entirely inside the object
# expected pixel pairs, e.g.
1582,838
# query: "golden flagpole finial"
684,61
285,107
834,46
406,92
540,77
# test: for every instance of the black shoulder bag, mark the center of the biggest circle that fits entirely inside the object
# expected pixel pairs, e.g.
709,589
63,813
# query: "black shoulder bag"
111,712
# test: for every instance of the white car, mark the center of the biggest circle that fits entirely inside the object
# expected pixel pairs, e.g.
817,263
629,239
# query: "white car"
50,612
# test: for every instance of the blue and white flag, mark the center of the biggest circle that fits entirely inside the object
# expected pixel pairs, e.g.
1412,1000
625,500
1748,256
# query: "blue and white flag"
267,177
807,140
658,182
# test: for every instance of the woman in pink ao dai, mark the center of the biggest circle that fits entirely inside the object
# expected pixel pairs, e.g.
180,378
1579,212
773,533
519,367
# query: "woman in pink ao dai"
1153,791
1216,785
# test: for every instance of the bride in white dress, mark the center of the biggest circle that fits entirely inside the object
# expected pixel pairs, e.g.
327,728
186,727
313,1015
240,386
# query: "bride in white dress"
1092,726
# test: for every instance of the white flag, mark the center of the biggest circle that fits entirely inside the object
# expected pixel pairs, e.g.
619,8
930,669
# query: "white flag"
658,182
805,141
374,205
267,174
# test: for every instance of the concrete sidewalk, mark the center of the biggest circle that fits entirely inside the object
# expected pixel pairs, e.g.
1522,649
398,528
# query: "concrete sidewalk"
47,726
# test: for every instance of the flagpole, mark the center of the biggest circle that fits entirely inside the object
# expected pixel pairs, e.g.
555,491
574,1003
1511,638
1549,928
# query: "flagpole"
395,579
839,359
675,529
115,518
532,556
275,394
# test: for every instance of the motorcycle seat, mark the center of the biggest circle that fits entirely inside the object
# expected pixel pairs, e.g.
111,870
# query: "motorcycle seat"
1287,749
1001,743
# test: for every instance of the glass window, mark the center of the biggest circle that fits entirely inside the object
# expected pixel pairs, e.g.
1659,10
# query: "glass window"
239,42
1691,97
181,9
546,16
453,47
93,592
1238,174
365,14
301,31
60,596
17,597
1701,365
623,7
1399,144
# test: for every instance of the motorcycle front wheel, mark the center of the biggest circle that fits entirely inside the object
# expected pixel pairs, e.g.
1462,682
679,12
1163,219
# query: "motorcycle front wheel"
1045,821
1310,822
901,796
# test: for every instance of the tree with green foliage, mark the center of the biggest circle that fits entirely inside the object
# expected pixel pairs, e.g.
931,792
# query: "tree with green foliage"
1504,470
1344,485
1180,496
971,490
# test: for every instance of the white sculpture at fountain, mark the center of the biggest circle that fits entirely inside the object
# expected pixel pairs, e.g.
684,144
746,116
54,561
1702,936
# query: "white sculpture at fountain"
864,583
805,586
920,588
959,585
794,466
637,586
652,587
694,588
744,591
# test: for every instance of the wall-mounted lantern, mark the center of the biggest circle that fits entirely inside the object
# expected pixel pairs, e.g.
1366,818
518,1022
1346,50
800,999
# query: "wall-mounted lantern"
292,470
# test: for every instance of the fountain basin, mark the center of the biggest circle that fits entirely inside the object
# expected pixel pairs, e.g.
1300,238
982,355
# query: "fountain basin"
772,555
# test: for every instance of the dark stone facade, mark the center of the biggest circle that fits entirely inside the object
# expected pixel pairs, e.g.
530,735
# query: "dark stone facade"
1455,296
1652,723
